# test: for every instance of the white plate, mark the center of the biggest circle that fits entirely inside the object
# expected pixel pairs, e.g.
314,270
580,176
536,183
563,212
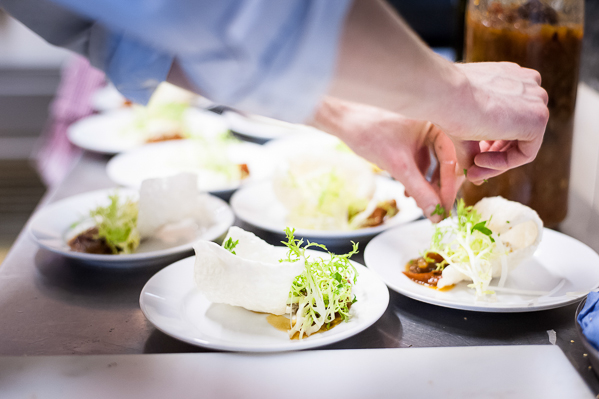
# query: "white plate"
286,146
258,205
108,133
171,301
173,157
107,98
262,128
557,258
282,149
51,228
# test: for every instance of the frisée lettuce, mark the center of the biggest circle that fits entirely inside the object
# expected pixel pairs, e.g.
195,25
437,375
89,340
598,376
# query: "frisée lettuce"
467,245
117,224
323,291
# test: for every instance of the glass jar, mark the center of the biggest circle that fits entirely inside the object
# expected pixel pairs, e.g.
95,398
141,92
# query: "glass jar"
545,35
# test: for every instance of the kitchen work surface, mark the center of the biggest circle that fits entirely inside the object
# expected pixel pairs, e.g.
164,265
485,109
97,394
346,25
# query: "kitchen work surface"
526,372
50,305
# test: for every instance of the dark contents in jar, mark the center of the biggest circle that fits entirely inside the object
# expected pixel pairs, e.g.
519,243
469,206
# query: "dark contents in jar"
425,270
533,35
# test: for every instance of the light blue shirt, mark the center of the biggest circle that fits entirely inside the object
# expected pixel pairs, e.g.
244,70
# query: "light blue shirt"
270,57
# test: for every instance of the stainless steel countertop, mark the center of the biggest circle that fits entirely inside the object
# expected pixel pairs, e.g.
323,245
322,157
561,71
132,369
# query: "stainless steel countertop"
53,306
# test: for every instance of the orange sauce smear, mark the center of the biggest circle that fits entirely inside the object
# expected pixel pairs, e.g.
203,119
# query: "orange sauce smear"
421,282
282,323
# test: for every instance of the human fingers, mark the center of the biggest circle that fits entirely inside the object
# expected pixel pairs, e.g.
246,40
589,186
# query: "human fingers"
423,160
512,155
465,151
449,178
406,171
478,175
499,145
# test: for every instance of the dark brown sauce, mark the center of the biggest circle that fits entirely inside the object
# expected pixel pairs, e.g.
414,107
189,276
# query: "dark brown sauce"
424,272
89,242
384,211
282,323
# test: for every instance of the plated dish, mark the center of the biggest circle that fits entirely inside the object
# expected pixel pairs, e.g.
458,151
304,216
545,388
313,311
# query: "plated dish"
561,271
262,129
121,130
243,288
67,227
284,148
221,166
258,205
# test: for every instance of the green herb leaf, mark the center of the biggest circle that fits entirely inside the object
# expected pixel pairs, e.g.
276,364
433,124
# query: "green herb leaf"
465,172
439,210
117,224
463,240
230,245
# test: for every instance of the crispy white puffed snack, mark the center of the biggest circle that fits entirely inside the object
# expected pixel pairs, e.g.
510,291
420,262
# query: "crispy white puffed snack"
253,278
170,200
519,230
318,188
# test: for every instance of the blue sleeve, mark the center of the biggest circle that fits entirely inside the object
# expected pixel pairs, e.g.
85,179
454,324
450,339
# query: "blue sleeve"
271,57
133,66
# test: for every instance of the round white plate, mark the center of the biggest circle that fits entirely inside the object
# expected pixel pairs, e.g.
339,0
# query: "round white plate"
107,98
171,301
262,128
109,133
557,258
173,157
258,205
283,147
52,227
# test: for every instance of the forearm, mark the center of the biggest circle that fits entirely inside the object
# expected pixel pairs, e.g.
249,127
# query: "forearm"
381,62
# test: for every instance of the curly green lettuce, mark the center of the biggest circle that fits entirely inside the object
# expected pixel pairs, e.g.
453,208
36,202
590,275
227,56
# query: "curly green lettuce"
324,289
117,224
468,245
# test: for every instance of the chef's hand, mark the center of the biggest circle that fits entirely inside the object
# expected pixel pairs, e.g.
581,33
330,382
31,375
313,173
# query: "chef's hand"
497,120
495,113
398,145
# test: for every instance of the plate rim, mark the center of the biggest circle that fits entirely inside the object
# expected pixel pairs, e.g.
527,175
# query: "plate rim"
318,234
237,121
301,345
228,219
74,136
118,158
473,307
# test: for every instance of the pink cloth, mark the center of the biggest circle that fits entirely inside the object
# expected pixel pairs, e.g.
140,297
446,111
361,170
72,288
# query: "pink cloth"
56,154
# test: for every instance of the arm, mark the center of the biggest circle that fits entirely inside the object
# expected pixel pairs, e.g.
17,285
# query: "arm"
400,146
382,63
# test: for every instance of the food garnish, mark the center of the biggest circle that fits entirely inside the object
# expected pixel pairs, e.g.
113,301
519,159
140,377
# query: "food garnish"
115,230
118,227
230,245
331,191
478,244
324,289
313,292
439,210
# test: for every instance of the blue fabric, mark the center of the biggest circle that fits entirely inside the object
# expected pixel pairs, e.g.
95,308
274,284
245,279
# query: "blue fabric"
270,57
588,318
135,67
